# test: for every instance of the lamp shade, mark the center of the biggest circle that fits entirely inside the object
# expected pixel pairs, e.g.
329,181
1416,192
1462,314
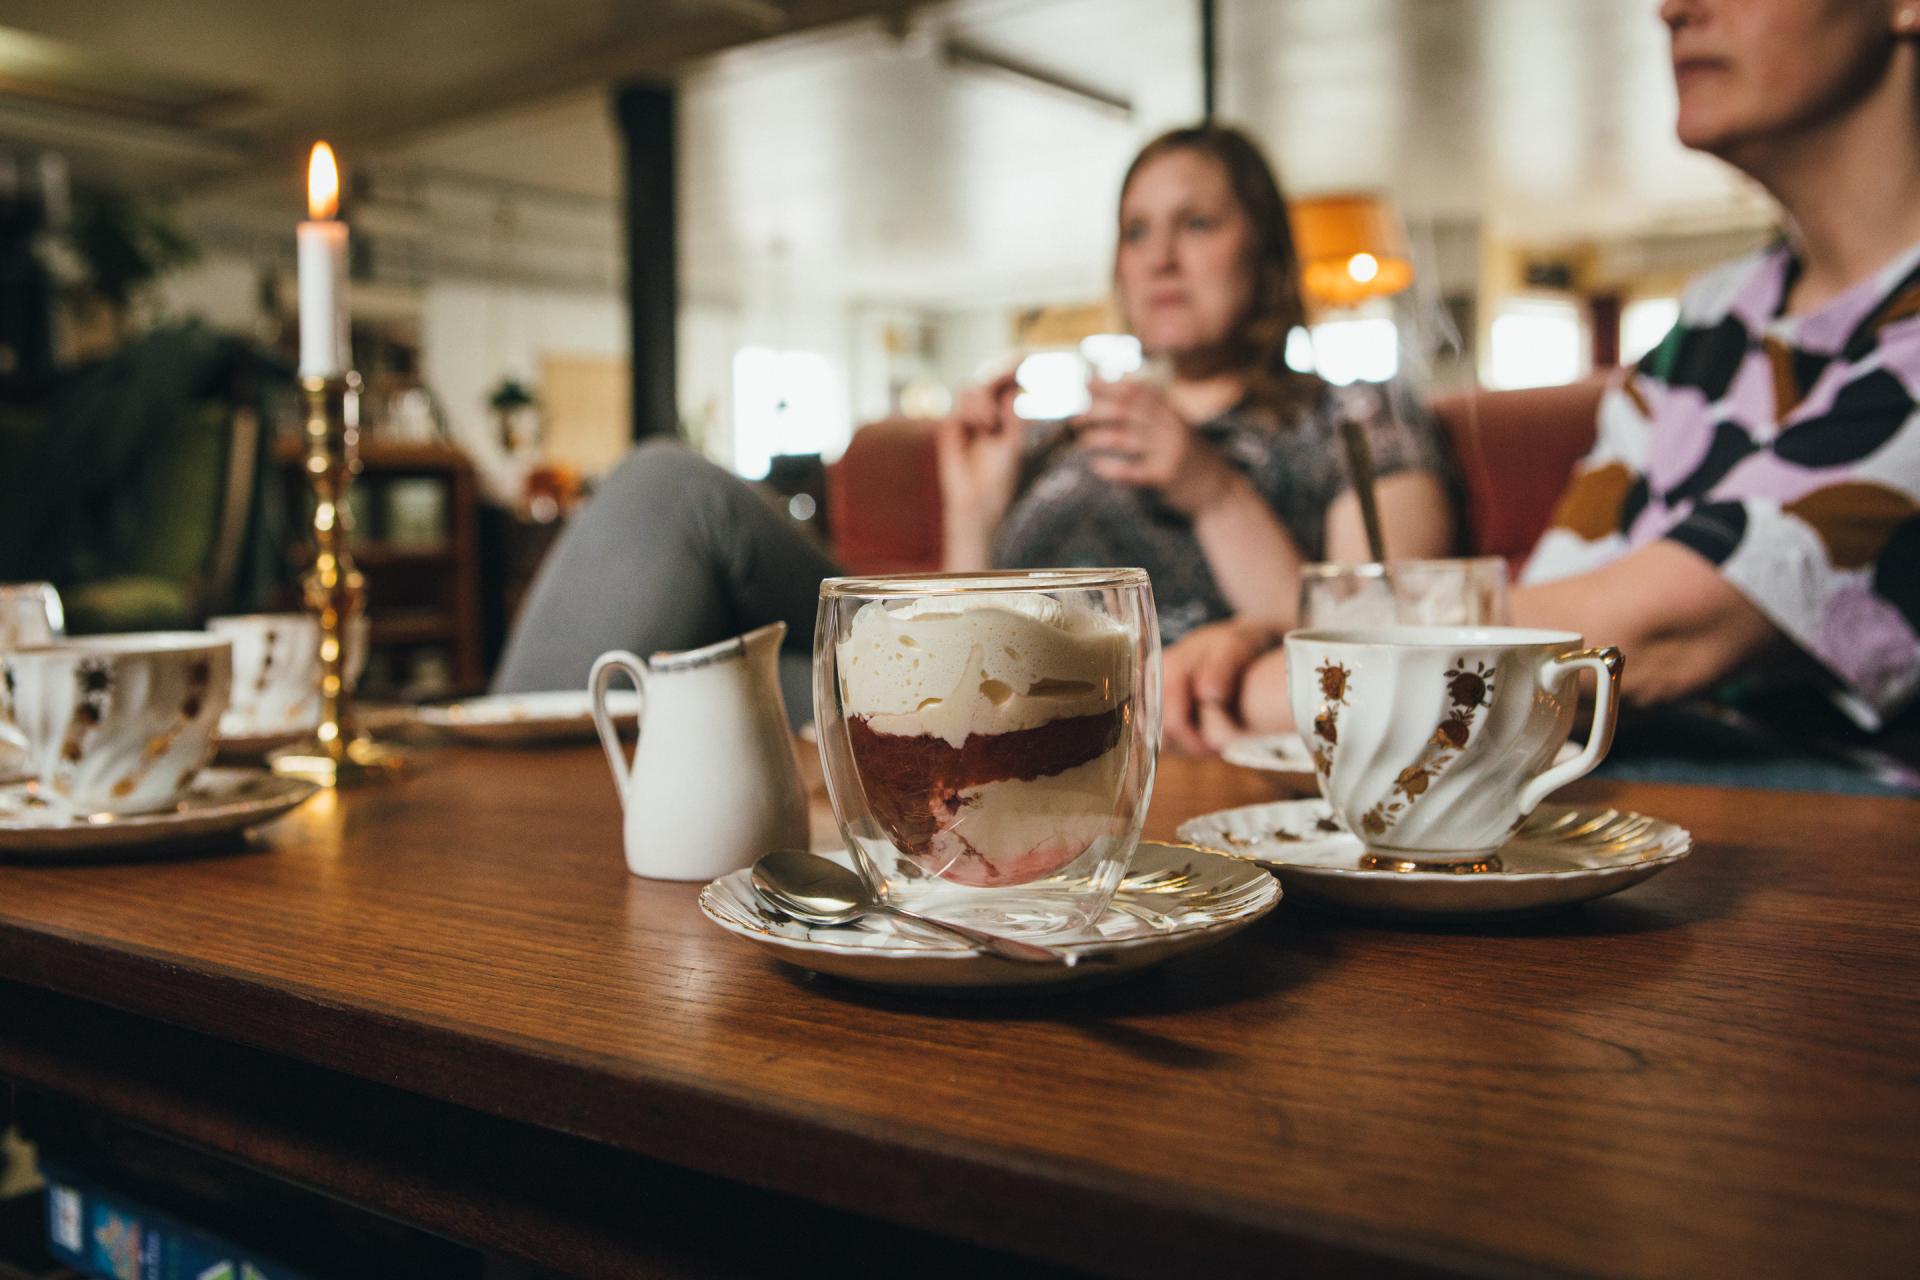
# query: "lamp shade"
1352,247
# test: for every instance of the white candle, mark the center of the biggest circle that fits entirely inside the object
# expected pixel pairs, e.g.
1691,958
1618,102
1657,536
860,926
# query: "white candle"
322,244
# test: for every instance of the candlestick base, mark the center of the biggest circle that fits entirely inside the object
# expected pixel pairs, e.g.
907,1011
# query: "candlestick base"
359,762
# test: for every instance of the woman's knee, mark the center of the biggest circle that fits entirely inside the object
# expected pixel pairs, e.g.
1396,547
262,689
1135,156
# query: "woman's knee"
661,469
665,485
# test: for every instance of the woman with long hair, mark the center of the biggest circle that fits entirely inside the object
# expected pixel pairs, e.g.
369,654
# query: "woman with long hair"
1223,481
1220,483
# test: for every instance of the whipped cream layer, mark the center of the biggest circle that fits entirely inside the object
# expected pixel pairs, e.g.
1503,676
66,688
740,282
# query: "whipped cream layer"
951,668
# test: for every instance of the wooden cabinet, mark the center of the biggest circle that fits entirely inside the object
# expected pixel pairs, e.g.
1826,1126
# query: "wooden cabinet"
416,539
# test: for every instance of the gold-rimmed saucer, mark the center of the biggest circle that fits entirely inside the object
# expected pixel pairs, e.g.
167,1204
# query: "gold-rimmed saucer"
527,719
217,802
1565,854
1173,900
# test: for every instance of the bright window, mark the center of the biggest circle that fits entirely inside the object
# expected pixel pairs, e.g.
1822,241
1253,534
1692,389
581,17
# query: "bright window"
785,402
1344,351
1536,342
1643,323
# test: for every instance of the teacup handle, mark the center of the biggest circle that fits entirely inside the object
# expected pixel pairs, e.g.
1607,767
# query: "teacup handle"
10,734
1606,665
605,668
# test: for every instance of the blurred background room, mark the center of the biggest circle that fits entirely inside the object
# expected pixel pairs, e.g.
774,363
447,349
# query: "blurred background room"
759,224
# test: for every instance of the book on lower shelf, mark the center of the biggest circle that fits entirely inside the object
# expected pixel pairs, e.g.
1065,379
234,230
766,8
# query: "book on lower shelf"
103,1233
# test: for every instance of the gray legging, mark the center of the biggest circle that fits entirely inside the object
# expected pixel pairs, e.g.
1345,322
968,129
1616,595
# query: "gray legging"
671,552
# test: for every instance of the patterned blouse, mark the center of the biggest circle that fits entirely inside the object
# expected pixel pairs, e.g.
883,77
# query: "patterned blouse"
1067,517
1786,451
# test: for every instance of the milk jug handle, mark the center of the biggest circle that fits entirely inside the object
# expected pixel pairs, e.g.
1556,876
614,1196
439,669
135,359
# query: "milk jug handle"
1606,665
607,666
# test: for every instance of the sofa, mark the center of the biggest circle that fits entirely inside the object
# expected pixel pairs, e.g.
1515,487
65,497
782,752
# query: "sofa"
1513,451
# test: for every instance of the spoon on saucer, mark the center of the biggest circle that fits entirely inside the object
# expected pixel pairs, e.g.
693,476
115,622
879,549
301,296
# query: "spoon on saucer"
817,890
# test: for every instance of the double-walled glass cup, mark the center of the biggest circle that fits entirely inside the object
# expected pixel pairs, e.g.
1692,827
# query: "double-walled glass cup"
989,739
1470,592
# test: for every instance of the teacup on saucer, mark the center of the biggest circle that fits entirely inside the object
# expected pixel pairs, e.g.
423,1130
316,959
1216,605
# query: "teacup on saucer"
115,724
1433,744
276,674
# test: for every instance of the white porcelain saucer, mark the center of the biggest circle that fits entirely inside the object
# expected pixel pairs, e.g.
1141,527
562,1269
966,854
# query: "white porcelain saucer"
1174,900
255,746
219,801
1287,753
519,719
1564,855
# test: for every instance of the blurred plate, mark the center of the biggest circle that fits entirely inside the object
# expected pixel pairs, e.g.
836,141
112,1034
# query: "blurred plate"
255,746
513,719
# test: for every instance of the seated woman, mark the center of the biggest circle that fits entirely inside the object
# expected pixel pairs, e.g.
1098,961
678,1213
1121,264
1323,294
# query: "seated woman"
1223,481
1753,499
1221,484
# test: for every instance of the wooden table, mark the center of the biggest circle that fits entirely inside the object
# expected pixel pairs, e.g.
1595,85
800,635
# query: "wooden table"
449,1001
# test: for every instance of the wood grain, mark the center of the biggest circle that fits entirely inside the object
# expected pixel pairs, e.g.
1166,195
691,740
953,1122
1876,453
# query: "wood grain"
1712,1073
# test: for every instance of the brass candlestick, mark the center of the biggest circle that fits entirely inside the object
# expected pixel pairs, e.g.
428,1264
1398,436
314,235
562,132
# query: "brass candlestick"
339,754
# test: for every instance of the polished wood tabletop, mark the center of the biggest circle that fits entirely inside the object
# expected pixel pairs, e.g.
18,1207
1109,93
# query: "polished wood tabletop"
1713,1073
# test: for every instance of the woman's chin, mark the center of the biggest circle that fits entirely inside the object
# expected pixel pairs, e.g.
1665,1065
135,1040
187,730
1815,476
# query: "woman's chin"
1177,345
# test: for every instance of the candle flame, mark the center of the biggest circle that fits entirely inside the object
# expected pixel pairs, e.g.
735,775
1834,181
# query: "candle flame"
323,183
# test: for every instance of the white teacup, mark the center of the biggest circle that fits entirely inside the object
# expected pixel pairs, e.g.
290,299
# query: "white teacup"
30,614
277,669
1433,744
115,724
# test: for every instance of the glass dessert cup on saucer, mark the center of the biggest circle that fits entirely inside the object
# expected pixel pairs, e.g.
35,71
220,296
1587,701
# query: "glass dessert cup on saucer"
988,739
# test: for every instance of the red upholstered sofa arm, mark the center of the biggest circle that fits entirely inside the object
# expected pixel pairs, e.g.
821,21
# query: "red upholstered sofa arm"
883,499
1515,450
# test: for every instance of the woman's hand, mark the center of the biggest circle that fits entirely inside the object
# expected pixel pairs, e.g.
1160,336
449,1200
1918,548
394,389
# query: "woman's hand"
1134,437
1202,674
979,450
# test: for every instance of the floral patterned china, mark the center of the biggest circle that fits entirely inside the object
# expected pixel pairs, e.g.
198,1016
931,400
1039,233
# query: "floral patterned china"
1433,744
1564,854
217,802
1288,753
116,723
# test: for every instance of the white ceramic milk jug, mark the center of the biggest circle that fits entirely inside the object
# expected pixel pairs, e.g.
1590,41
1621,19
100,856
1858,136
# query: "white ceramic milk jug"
712,784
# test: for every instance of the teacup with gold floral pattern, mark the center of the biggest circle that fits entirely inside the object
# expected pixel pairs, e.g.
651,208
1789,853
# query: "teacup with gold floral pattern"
115,724
30,614
1433,744
277,670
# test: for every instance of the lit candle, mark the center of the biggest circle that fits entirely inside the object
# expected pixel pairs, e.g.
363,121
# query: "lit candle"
322,243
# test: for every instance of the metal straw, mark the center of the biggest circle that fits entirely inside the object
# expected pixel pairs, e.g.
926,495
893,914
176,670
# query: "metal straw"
1360,466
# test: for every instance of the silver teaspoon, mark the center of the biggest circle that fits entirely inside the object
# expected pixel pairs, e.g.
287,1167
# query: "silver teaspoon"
817,890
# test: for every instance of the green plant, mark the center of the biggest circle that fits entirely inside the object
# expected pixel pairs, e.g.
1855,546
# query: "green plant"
123,243
509,395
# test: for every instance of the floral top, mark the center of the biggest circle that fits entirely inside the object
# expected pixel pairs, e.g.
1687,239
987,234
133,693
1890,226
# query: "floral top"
1786,451
1067,517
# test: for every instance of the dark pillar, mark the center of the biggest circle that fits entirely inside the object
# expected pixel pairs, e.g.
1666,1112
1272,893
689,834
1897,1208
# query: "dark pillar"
1603,315
644,113
1209,62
